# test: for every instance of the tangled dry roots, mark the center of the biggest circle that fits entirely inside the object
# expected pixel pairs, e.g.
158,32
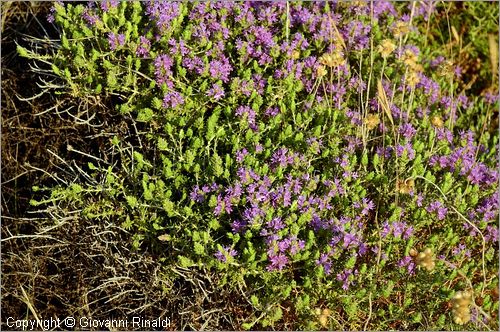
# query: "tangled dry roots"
69,267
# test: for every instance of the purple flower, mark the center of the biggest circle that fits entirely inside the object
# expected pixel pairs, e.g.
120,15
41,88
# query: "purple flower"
220,69
408,232
238,226
401,149
272,111
350,239
177,48
172,99
107,4
115,40
90,16
276,224
143,47
249,113
324,260
491,98
279,158
398,228
240,155
491,234
220,205
386,229
366,204
407,262
419,200
407,131
344,277
50,16
197,195
163,64
458,249
278,262
216,92
444,134
163,13
297,245
438,207
225,253
284,245
194,64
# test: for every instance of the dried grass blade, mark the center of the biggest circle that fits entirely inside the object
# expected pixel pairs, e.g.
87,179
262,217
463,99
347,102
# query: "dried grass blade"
384,102
493,45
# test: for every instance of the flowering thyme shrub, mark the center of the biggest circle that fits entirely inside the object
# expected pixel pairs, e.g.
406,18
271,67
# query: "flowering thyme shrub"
305,151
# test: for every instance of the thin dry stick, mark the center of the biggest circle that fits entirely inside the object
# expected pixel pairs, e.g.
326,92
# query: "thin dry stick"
26,300
370,312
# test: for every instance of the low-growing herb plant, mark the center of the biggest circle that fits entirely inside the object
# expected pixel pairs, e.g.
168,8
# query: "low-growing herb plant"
314,154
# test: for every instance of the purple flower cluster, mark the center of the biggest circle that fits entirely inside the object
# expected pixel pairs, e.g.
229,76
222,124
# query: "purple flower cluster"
279,248
438,208
409,263
225,253
216,92
463,158
283,157
115,40
90,16
163,64
198,194
194,64
162,13
107,4
346,277
249,114
397,228
461,249
143,47
172,99
220,68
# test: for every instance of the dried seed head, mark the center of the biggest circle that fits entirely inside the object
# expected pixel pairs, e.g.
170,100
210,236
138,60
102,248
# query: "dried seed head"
372,121
405,186
437,121
409,58
446,69
412,78
323,320
321,71
334,59
400,29
413,252
460,304
164,237
425,259
323,317
386,48
461,319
